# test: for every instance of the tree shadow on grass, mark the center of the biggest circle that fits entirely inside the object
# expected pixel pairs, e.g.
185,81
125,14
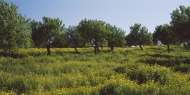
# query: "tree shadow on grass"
13,55
157,55
168,61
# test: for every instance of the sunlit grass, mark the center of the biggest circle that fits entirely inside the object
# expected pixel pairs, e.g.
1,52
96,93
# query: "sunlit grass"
123,71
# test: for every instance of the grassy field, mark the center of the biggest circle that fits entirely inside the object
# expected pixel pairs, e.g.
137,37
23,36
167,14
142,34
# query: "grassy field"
126,71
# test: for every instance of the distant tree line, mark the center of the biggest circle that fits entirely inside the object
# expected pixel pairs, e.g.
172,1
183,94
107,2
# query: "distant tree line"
17,31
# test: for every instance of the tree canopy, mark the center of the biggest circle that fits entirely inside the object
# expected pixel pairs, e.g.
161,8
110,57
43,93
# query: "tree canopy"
74,38
181,23
14,28
139,36
115,36
45,32
164,34
17,31
94,31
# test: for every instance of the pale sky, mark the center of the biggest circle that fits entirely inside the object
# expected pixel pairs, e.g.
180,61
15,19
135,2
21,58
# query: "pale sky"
122,13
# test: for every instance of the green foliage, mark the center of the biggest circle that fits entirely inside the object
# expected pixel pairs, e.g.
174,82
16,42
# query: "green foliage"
115,36
99,33
93,31
125,71
46,32
179,63
50,28
36,33
182,67
14,28
164,34
74,38
144,74
180,22
139,36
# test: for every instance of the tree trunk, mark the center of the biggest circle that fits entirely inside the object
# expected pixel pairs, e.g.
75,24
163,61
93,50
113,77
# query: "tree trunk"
98,49
95,49
76,48
48,49
140,45
168,47
112,48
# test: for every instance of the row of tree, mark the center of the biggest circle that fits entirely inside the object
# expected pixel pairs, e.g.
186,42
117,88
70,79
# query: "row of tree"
52,33
18,31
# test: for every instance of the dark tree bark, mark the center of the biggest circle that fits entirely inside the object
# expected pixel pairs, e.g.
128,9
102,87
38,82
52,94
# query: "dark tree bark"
168,48
112,48
95,50
76,48
48,49
140,45
98,48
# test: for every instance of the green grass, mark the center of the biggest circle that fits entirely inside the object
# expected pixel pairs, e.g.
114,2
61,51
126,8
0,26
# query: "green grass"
126,71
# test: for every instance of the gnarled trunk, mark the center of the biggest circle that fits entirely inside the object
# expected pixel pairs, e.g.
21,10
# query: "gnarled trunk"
95,50
168,48
48,49
94,45
76,48
140,45
98,49
112,48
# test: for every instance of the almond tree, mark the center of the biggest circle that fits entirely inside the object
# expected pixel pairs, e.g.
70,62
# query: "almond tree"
139,36
115,36
47,31
93,31
73,37
181,24
14,28
164,34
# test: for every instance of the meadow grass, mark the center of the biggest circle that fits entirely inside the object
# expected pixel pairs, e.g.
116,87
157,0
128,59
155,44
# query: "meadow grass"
124,71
